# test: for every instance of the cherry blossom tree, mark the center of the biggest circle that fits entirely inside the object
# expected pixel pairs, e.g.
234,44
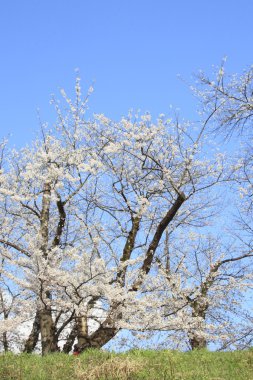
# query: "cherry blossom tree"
84,209
199,296
227,102
211,278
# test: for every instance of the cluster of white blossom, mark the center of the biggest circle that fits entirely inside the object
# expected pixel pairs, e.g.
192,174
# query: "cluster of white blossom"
86,212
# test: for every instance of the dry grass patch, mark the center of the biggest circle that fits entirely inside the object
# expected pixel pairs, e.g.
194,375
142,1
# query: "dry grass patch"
114,368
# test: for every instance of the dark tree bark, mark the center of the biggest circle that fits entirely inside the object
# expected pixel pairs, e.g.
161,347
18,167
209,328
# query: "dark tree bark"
5,342
33,338
197,343
98,339
70,340
48,332
156,239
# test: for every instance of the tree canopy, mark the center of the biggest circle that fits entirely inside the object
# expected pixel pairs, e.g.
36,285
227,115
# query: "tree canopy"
109,225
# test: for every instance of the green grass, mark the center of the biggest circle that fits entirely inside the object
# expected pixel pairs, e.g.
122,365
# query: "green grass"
134,365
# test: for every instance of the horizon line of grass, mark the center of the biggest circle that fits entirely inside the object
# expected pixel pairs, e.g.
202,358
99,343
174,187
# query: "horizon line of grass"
132,365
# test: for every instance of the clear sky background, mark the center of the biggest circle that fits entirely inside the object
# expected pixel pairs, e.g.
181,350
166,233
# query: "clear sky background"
132,49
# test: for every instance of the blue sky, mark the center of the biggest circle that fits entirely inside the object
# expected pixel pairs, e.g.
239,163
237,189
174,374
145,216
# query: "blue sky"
132,49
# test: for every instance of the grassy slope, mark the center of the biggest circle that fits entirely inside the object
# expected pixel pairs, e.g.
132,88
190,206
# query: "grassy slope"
152,365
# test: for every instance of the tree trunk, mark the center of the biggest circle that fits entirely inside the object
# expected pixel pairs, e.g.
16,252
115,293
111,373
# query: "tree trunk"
197,342
48,332
47,325
5,342
166,220
102,336
82,330
98,338
34,335
199,307
70,340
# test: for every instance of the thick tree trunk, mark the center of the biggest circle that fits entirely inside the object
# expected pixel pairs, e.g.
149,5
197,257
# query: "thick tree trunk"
48,332
197,343
70,340
199,308
47,325
82,330
96,340
33,338
101,336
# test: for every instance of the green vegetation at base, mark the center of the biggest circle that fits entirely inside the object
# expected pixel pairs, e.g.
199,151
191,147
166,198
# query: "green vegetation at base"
134,365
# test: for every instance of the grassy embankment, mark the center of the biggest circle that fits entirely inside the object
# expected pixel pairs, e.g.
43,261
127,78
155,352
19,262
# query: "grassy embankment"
134,365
